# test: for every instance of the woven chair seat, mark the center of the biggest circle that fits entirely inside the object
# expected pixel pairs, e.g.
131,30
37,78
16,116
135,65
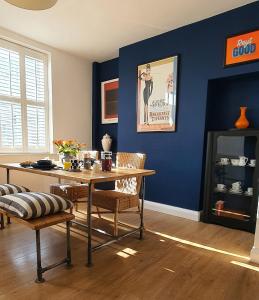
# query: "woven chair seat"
112,199
73,192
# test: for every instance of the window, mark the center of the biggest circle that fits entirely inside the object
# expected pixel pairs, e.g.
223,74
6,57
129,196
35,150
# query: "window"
24,99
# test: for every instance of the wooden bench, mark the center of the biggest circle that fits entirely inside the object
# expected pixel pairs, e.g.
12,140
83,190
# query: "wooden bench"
43,222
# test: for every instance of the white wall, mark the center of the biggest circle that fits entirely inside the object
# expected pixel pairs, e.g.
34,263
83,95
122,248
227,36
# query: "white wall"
71,105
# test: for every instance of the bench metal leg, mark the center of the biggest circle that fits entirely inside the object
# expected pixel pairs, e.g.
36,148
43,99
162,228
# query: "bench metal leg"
39,278
67,260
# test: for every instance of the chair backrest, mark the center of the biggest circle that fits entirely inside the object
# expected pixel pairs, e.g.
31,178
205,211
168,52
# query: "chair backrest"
130,160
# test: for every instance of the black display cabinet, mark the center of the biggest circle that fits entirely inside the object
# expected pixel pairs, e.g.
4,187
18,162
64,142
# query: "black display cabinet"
230,191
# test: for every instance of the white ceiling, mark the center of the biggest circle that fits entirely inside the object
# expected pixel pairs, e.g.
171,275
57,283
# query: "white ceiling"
96,29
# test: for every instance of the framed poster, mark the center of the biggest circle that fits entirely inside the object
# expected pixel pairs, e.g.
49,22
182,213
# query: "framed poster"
242,48
157,95
109,94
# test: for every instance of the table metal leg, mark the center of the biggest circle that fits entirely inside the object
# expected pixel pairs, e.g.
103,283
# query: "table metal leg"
7,176
89,226
141,228
68,244
1,221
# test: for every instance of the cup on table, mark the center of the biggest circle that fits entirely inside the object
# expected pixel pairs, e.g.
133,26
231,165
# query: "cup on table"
66,165
97,166
75,164
243,161
87,163
252,162
224,161
106,159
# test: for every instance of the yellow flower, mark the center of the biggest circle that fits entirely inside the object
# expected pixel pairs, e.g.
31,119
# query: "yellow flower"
70,142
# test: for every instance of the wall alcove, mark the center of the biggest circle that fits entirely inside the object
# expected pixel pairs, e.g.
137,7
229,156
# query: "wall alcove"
226,95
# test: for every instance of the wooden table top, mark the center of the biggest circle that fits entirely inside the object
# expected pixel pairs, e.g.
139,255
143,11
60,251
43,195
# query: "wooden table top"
86,176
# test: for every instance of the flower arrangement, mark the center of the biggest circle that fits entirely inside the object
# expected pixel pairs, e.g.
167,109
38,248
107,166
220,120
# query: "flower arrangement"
68,147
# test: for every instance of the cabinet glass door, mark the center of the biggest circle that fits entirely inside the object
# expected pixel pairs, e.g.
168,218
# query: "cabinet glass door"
233,177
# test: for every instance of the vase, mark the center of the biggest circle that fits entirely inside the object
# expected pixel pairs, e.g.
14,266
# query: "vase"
242,122
106,142
66,157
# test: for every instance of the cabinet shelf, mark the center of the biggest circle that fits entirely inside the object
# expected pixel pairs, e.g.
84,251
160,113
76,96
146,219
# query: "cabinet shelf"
234,166
231,214
243,195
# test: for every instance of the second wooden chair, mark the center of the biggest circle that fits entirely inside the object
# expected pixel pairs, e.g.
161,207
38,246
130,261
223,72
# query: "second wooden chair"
126,193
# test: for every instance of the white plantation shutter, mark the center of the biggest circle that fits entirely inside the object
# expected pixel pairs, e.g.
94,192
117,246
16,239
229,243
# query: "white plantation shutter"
34,73
36,127
24,107
10,125
9,73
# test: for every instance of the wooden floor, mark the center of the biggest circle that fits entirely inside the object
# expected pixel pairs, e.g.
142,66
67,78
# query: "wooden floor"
179,259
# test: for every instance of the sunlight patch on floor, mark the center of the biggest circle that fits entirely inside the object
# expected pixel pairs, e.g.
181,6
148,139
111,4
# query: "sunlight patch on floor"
127,252
243,265
197,245
169,270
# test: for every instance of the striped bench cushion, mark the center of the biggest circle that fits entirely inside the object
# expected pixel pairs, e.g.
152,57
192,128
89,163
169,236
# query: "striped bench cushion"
31,205
7,189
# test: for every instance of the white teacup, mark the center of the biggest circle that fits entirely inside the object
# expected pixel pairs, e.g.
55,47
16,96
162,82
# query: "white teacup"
237,183
224,161
221,187
252,162
235,162
236,186
250,191
243,160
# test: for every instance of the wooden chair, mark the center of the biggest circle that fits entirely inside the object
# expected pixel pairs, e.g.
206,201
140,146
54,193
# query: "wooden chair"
74,192
126,193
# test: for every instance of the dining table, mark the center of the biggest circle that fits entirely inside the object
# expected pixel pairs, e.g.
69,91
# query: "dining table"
91,177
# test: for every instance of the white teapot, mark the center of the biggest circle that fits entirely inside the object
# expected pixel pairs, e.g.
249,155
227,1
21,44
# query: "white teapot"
106,142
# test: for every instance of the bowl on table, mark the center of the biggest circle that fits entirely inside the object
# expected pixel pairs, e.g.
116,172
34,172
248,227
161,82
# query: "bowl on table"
43,164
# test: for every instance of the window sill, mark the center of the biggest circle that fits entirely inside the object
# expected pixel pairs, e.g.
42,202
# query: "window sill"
26,153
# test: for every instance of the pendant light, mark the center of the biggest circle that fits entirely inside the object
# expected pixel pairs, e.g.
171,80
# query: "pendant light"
33,4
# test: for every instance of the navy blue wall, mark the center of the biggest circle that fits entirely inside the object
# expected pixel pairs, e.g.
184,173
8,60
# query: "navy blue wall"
103,72
178,157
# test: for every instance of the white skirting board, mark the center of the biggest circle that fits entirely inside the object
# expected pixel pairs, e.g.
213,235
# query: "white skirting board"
173,210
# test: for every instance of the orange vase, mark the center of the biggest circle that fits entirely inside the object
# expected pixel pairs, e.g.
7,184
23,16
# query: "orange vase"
242,122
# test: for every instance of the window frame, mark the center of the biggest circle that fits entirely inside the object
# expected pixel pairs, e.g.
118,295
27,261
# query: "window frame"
26,50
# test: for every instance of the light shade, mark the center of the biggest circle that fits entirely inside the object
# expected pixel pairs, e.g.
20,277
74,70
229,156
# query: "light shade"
33,4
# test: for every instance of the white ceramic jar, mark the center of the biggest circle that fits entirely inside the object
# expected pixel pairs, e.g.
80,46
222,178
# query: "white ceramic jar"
106,142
